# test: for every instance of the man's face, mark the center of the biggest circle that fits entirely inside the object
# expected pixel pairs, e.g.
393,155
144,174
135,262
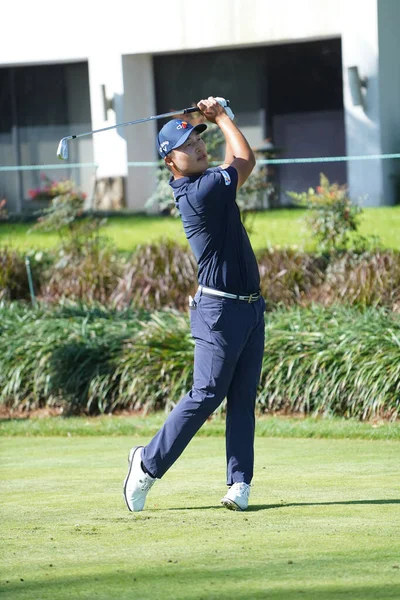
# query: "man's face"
190,158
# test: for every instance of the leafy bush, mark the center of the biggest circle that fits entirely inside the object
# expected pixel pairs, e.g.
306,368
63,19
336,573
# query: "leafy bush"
55,189
333,361
332,214
86,266
64,216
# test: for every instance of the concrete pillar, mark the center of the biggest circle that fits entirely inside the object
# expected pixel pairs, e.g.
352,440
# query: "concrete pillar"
139,102
360,47
389,86
109,147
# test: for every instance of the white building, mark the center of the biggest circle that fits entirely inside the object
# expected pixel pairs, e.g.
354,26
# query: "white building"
284,66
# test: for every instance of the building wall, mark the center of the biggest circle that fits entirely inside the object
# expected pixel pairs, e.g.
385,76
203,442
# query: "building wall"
118,44
389,76
76,30
360,46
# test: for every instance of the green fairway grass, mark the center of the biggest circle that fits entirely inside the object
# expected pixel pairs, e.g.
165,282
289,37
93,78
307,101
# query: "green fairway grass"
275,227
323,522
266,426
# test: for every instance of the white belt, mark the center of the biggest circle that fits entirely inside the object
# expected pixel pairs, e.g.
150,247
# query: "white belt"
211,292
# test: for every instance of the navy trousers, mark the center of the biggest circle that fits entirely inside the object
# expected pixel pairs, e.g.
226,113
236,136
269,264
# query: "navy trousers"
229,346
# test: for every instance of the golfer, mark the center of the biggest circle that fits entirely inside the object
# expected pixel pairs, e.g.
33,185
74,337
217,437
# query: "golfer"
226,314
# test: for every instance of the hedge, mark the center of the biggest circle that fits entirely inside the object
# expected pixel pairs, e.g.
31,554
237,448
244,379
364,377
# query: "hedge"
89,359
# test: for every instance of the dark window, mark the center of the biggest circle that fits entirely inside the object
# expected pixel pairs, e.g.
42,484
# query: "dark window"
282,79
5,101
305,77
41,95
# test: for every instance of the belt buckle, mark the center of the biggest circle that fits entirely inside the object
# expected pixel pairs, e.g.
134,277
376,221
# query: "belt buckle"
250,297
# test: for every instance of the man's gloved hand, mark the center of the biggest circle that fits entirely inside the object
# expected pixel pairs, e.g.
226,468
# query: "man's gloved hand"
213,108
226,106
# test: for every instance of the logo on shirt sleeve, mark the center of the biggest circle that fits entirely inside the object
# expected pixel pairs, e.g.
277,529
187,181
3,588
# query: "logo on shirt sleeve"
227,177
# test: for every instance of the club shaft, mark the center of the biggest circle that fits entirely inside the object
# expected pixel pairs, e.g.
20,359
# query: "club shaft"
183,111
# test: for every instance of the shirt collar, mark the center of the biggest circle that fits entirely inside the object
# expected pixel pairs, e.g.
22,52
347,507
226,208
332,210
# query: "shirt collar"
177,183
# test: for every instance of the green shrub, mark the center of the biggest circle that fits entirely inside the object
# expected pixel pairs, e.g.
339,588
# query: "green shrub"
332,215
55,357
332,362
337,361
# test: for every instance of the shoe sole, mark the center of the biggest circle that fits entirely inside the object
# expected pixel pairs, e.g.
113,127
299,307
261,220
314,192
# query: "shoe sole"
231,505
130,462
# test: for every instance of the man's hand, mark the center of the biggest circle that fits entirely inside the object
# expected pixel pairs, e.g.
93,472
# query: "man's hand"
212,110
238,152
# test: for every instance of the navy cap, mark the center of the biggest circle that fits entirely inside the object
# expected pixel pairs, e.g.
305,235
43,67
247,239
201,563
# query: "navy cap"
174,134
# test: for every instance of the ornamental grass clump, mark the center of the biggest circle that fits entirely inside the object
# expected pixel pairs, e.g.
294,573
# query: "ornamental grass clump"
160,275
288,276
155,368
362,280
56,357
91,276
14,283
333,361
320,361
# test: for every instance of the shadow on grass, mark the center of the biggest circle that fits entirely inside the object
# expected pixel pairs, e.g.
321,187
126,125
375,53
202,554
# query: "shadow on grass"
257,507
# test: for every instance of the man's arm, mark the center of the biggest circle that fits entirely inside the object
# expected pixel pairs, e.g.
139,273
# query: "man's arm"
238,152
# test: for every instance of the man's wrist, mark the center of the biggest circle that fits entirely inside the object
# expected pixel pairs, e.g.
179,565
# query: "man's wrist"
221,118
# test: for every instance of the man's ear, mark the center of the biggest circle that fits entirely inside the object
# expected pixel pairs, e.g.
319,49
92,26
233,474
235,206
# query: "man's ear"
169,163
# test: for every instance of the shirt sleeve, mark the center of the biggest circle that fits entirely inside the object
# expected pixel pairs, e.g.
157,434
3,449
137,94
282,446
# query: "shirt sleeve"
217,184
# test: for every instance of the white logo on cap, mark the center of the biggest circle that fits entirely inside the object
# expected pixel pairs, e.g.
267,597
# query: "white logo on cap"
227,177
163,146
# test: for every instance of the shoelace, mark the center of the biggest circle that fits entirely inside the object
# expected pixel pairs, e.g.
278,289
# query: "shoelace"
146,483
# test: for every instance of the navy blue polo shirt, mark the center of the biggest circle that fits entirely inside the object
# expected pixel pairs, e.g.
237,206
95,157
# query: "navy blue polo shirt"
212,224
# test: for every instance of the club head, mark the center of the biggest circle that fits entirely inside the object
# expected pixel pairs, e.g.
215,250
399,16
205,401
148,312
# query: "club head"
62,150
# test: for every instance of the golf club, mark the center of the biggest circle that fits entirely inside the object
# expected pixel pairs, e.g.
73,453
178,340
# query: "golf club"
62,150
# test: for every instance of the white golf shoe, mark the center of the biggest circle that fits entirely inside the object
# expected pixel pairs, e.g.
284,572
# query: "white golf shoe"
237,497
137,483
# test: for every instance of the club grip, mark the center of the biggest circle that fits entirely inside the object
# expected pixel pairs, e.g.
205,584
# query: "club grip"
191,110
